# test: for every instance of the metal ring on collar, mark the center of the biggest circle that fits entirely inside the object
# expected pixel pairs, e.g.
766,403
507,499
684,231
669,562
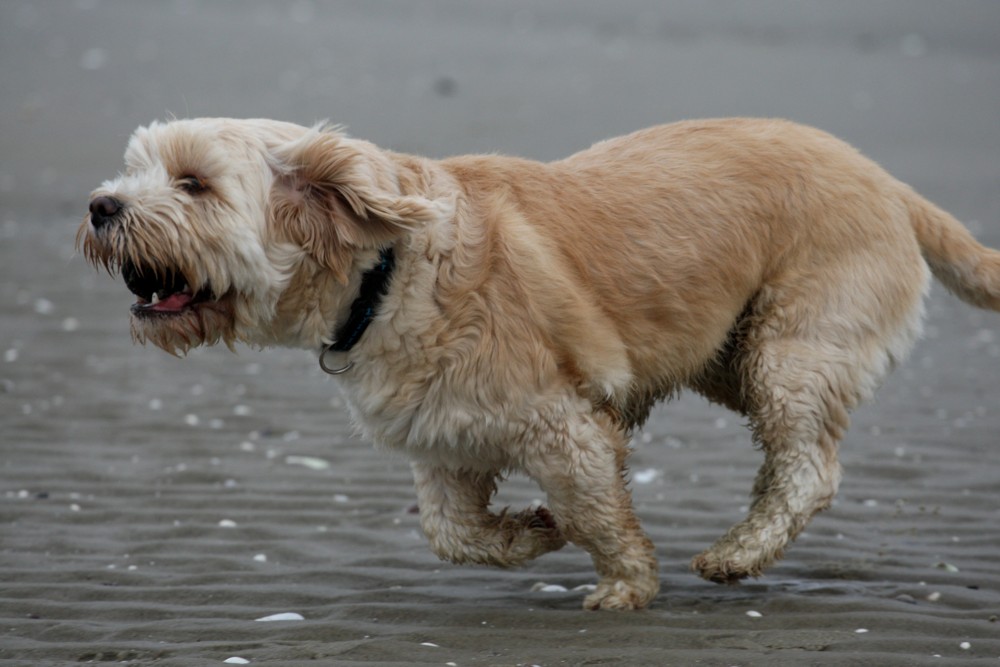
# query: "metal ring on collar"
332,371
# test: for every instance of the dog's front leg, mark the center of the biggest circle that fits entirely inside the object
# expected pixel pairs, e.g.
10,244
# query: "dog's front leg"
455,516
581,467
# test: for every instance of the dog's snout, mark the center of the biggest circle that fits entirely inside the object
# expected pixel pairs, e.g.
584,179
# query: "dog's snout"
102,209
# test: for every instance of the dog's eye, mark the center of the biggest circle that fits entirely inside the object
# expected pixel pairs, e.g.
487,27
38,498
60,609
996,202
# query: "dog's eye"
192,185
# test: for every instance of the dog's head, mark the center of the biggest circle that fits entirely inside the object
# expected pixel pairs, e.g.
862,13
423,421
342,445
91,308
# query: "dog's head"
249,230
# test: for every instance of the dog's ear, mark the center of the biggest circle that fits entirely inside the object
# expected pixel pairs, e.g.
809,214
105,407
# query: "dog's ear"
333,196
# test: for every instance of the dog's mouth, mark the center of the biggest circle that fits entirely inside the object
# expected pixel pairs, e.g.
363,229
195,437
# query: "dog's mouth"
162,292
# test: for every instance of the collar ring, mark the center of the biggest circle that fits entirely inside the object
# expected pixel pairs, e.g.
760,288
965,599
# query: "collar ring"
332,371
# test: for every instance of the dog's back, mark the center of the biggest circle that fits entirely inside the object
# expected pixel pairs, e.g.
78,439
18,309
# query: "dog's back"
690,235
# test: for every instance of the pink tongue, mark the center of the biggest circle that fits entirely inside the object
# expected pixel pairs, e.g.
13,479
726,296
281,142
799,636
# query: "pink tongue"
173,302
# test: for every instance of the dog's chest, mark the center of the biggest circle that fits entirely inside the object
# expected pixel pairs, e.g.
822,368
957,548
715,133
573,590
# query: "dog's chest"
454,426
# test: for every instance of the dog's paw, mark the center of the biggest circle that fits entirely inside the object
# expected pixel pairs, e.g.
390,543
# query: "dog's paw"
531,533
728,564
622,594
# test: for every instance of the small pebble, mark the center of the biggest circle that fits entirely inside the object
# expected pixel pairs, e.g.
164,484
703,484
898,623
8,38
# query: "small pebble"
754,614
227,523
947,567
934,597
260,558
236,660
861,631
965,646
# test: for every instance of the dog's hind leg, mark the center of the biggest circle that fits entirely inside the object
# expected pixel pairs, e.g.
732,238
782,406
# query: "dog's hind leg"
800,417
455,516
806,362
581,467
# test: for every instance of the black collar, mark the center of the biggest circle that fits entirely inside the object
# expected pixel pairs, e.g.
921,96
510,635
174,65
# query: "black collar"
374,286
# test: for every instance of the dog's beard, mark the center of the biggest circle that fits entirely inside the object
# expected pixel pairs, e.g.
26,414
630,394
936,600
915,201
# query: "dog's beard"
168,311
205,323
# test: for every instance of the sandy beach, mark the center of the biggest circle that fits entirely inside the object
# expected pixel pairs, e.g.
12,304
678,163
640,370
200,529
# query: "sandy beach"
153,510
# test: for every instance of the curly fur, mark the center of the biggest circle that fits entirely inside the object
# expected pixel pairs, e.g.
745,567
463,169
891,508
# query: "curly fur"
538,311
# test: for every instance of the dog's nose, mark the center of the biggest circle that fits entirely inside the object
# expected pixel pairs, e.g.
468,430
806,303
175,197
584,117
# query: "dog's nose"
102,209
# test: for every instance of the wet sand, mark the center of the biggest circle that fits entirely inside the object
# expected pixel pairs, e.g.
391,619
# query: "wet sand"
152,508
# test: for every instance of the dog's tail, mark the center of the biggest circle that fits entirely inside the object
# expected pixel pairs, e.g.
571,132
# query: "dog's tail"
968,269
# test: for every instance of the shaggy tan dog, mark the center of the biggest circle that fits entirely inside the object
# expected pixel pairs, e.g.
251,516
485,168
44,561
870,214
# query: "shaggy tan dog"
490,314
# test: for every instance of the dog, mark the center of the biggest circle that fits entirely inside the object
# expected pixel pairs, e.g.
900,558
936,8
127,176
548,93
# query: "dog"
489,314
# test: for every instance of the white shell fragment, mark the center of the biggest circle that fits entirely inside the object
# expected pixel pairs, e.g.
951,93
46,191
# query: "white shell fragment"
542,587
236,660
311,462
283,616
645,476
754,614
